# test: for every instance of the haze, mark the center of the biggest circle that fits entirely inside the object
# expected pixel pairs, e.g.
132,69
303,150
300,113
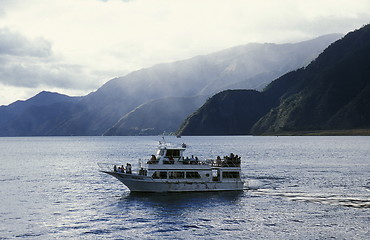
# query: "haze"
75,46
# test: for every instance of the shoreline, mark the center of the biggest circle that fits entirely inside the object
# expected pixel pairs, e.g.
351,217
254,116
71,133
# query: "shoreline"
346,132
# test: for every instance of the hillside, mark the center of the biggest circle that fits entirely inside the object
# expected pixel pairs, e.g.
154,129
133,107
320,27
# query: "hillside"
37,115
250,66
222,114
330,93
151,118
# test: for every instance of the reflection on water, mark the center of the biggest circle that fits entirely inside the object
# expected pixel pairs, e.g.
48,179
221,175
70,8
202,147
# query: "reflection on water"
179,202
183,198
170,214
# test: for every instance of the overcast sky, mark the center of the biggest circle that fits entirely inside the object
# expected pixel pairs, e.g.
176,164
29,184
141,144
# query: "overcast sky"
75,46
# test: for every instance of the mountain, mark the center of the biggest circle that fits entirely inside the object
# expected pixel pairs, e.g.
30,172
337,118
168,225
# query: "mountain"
222,114
332,92
151,118
35,116
250,66
201,75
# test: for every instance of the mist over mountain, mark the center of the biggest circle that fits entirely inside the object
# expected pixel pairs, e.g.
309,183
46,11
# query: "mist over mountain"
37,115
201,75
251,66
156,117
332,92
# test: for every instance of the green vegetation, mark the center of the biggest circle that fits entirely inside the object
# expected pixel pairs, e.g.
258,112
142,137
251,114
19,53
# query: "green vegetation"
331,93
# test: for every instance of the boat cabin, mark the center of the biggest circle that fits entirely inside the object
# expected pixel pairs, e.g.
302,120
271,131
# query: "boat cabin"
168,155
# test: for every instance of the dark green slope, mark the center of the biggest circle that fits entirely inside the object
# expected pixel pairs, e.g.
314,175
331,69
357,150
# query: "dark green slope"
332,92
230,112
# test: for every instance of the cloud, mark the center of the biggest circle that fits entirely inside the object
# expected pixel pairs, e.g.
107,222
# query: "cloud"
82,43
31,63
17,45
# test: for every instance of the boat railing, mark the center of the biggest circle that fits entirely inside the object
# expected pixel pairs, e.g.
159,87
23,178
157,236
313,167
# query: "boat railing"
111,167
212,162
226,162
119,168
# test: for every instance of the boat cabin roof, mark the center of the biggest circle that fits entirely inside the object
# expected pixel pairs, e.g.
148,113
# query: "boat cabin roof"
170,151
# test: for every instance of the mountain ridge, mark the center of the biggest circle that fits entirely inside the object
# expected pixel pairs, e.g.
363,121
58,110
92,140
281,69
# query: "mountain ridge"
205,75
36,115
322,96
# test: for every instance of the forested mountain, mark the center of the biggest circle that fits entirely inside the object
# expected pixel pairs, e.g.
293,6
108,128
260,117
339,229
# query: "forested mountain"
202,75
333,92
251,66
231,112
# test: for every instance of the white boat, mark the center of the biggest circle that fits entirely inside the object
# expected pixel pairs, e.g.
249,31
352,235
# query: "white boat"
169,171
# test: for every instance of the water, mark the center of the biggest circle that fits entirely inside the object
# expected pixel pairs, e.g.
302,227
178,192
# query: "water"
300,188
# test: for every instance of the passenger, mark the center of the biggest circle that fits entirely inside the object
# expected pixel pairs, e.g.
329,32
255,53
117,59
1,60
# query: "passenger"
218,161
128,168
226,161
172,161
122,169
237,162
192,160
115,168
119,169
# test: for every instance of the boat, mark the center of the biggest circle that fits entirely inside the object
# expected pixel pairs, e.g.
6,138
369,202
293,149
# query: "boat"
170,171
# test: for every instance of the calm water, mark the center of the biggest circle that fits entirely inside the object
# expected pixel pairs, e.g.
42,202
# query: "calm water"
300,188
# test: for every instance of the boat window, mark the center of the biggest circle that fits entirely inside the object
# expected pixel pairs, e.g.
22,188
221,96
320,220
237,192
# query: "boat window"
176,175
173,153
159,175
192,175
230,174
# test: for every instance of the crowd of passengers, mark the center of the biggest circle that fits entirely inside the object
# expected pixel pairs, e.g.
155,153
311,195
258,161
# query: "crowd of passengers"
227,161
230,161
122,169
171,160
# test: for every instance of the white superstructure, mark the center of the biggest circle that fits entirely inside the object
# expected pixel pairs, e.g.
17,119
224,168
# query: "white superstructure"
169,171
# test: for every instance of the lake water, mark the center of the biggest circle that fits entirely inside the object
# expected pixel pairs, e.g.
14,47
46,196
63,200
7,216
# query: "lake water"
299,188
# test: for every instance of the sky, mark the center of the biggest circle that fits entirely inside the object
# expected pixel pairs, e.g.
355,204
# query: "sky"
75,46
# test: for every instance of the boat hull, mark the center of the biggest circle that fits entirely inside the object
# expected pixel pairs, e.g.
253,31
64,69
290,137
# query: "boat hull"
138,183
